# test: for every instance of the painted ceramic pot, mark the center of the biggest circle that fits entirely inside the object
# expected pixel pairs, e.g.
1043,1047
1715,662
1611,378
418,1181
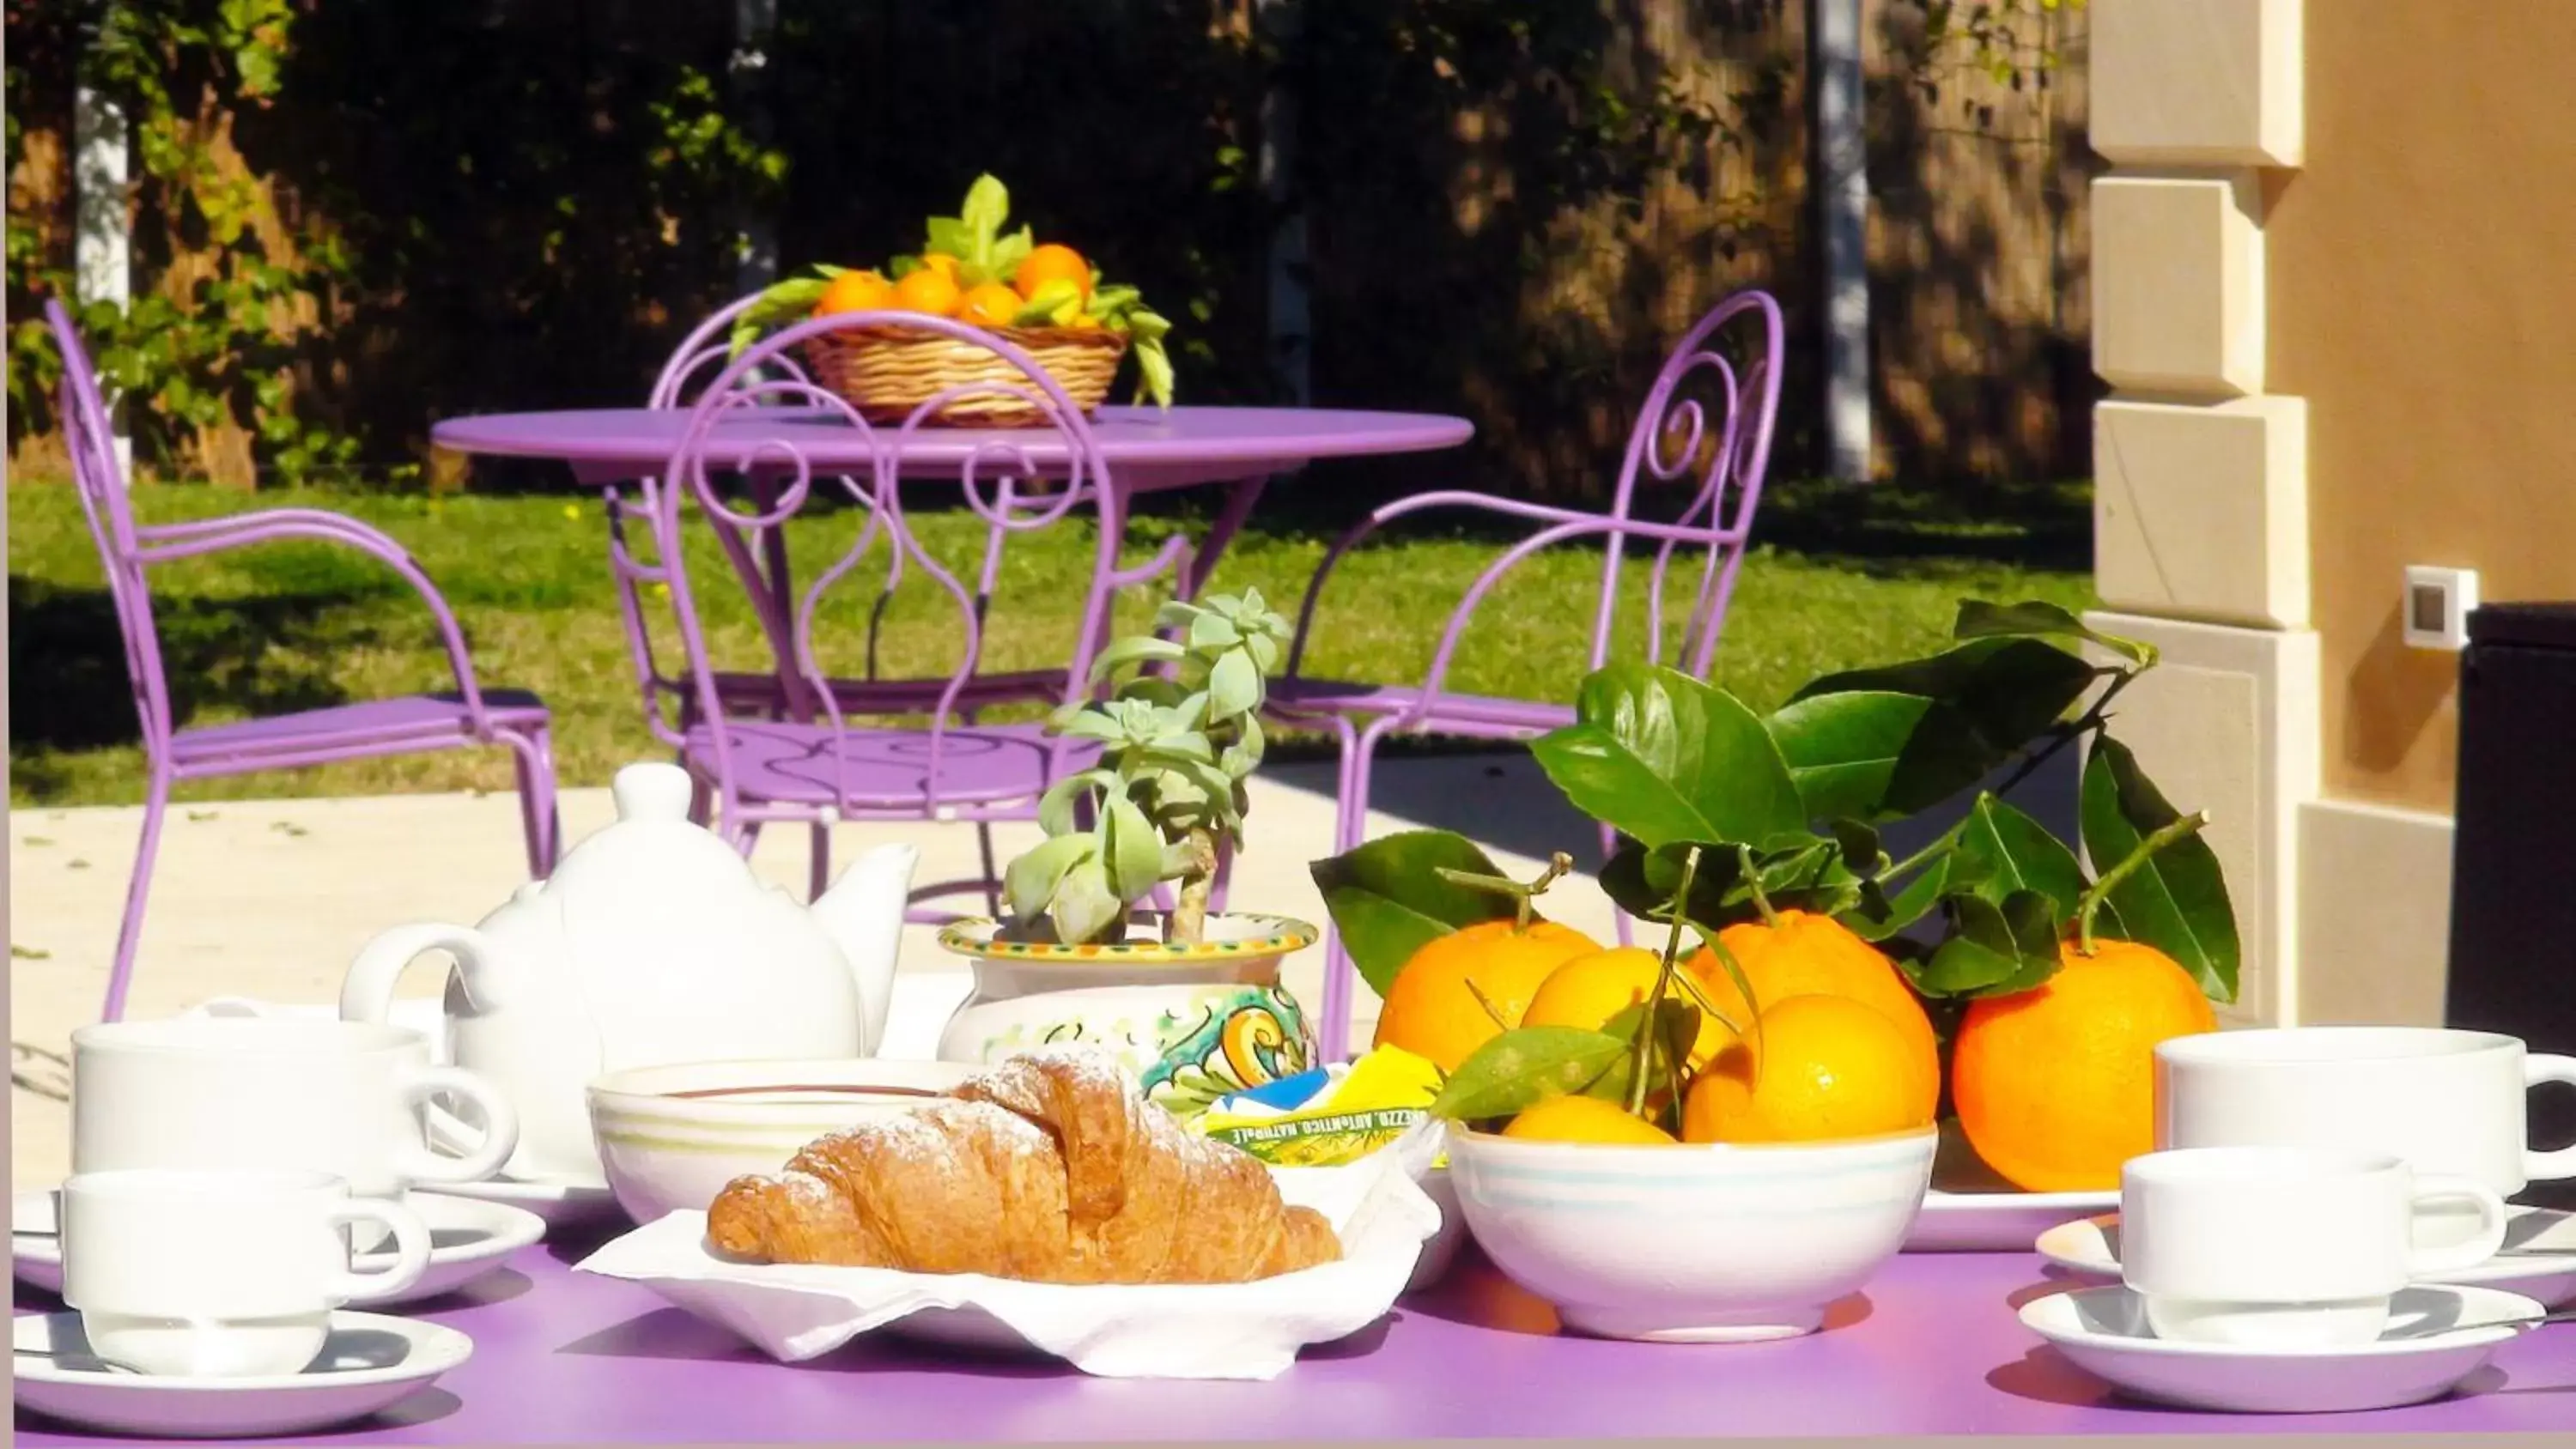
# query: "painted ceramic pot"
1192,1023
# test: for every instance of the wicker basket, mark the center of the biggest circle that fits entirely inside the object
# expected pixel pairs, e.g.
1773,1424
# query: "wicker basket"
889,372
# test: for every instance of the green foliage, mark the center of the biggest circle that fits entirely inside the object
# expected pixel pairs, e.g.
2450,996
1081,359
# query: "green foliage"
1178,738
1717,829
490,208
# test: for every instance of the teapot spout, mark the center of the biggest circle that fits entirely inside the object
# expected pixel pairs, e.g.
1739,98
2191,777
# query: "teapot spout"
863,914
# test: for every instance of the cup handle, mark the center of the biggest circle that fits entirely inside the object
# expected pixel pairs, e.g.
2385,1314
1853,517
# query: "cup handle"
411,1250
500,1127
2539,1068
2434,1188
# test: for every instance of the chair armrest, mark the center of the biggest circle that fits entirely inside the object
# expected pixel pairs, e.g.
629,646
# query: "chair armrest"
167,542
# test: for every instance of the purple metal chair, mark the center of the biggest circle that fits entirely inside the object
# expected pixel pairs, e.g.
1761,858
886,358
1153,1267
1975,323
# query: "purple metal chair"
758,553
472,715
1672,440
816,764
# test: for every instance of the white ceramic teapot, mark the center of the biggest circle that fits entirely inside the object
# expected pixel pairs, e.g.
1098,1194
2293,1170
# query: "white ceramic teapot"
652,943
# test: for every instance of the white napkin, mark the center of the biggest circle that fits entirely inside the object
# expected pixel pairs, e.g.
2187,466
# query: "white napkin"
1163,1330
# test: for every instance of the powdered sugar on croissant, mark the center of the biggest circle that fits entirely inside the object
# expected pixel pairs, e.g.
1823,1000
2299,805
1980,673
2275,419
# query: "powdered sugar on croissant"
1050,1167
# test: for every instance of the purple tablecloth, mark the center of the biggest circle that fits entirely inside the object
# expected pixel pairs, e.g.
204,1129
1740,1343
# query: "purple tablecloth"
1931,1349
1146,448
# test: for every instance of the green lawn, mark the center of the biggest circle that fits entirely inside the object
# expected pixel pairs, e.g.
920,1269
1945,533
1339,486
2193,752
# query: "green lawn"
1847,581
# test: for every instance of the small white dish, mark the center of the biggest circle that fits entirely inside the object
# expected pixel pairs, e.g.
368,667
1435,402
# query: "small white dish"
1997,1222
671,1137
2104,1332
370,1363
2538,1261
1695,1243
467,1240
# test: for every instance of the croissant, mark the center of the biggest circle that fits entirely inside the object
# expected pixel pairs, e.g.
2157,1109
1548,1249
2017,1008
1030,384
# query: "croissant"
1051,1167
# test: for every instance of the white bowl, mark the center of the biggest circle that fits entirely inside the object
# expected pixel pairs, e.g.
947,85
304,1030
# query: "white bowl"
671,1137
1693,1243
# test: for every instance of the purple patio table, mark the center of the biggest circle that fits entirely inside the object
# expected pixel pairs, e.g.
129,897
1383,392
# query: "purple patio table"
1149,450
1930,1350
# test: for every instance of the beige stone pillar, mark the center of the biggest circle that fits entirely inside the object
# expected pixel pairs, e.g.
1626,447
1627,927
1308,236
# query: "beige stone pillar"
2200,472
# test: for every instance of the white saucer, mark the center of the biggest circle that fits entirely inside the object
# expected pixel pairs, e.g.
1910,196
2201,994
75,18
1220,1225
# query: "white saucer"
467,1240
2538,1261
369,1363
554,1202
1997,1222
2103,1331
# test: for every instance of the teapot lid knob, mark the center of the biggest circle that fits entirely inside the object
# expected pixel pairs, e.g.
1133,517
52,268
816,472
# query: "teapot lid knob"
652,790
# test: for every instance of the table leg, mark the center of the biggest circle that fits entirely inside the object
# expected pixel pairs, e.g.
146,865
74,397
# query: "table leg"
1239,500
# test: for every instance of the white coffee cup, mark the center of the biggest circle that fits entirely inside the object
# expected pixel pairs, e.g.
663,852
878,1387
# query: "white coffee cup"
2449,1102
295,1094
2284,1247
204,1274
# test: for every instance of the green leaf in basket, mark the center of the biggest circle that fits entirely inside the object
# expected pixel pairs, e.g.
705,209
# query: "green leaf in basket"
1055,305
1153,372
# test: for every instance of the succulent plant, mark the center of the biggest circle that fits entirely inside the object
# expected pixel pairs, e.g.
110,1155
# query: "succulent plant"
1179,736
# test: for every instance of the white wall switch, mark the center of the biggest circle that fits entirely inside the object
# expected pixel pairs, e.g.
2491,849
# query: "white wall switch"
2437,606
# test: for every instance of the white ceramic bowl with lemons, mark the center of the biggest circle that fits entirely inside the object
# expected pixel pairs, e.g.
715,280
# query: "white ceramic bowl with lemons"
1691,1242
671,1137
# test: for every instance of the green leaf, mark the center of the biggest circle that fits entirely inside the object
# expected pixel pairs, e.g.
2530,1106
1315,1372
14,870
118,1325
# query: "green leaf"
1525,1066
2001,851
1131,850
1054,304
1994,949
1388,899
1811,876
1661,757
2001,694
987,206
1131,650
1880,916
1154,377
1031,880
2039,619
1842,749
1055,807
2176,901
1084,908
1234,686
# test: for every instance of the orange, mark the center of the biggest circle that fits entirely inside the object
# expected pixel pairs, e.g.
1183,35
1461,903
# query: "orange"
1589,990
1827,1067
1584,1119
2055,1086
928,290
942,263
990,305
1799,954
1052,263
1429,1010
855,292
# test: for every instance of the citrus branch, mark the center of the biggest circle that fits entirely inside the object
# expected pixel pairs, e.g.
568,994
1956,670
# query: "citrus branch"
1522,895
1648,1030
2091,902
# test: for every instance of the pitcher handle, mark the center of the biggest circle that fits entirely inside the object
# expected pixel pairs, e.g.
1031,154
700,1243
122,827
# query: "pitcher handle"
367,992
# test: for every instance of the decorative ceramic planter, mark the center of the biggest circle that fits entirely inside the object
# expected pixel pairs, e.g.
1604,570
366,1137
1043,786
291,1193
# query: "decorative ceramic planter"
1193,1023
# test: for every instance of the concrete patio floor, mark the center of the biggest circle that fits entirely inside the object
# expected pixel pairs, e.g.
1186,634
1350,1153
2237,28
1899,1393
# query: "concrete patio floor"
272,899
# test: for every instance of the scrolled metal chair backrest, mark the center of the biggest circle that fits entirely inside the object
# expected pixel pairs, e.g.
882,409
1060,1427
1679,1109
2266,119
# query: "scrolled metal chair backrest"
1015,481
92,442
630,507
1723,459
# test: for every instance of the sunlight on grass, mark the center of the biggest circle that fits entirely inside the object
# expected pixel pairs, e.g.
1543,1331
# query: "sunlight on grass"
297,625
